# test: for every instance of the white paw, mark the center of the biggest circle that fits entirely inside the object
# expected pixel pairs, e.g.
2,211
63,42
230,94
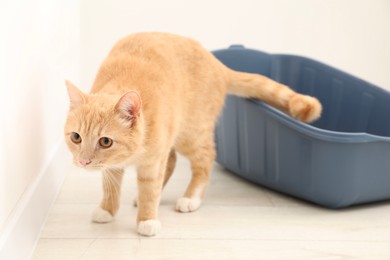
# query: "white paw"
149,227
188,204
100,215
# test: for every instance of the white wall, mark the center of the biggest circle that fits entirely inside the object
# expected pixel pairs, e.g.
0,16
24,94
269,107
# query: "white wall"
40,39
39,48
353,35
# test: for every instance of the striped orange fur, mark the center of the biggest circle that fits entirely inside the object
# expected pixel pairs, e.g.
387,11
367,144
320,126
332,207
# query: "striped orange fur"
154,95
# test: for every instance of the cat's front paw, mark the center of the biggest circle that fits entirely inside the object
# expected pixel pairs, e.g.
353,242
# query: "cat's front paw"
149,227
100,215
188,204
305,108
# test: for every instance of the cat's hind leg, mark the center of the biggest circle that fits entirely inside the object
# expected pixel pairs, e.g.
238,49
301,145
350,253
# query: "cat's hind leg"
202,155
112,182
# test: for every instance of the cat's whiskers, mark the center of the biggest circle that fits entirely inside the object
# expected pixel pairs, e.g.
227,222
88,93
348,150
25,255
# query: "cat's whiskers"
107,187
112,184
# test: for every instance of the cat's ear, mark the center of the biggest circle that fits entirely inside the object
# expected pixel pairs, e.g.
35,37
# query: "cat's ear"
129,107
76,97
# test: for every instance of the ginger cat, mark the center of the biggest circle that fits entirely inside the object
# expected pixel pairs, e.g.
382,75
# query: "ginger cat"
154,95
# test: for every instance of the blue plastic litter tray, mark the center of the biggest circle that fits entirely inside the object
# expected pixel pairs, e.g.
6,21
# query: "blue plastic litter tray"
340,160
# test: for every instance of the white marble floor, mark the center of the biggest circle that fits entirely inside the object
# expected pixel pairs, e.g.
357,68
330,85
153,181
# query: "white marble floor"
238,220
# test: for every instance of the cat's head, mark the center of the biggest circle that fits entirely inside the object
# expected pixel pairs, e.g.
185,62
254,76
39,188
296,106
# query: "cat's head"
102,130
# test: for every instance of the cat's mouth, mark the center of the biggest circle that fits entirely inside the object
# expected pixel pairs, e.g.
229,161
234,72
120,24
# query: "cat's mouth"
89,166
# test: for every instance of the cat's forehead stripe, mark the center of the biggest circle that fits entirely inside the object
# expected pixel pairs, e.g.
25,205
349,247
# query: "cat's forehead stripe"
91,120
93,123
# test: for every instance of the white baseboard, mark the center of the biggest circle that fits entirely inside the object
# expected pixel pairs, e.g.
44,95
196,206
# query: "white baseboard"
24,225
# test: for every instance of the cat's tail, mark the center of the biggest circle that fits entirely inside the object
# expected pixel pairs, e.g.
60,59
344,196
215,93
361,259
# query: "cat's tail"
302,107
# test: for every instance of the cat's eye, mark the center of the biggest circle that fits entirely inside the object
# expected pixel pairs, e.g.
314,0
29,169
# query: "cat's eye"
76,138
105,142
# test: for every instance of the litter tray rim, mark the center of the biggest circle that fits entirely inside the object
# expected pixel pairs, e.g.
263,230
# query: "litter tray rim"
316,132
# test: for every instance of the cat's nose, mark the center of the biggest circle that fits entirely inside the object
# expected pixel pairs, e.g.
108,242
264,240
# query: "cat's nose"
85,162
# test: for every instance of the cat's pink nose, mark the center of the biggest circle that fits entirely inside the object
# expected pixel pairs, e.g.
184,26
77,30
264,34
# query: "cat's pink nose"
85,162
